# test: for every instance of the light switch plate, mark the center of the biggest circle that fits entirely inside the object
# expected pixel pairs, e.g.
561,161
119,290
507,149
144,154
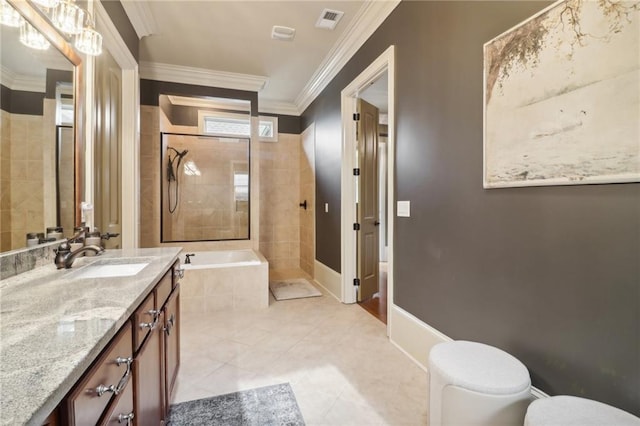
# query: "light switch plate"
326,207
404,208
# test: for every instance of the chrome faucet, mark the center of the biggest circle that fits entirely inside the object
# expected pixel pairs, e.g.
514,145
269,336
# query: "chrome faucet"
65,257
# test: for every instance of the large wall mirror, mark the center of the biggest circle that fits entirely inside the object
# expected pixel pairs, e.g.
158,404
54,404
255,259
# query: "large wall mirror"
41,147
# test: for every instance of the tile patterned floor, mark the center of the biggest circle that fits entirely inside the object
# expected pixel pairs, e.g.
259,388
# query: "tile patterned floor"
337,358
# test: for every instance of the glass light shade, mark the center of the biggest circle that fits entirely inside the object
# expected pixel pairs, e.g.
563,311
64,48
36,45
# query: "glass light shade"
68,17
9,16
49,4
32,38
89,41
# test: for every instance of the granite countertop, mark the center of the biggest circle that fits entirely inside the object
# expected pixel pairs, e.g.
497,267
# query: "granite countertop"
53,325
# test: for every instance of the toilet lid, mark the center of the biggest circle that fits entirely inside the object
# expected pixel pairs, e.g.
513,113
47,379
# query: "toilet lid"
573,411
479,367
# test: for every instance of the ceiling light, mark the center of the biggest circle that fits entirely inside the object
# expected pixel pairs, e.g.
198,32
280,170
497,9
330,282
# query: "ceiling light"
282,33
329,19
33,38
68,17
9,16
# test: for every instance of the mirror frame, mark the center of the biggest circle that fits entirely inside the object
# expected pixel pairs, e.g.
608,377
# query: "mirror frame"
40,22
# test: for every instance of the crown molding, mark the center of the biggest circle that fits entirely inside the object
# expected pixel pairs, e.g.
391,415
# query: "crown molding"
141,18
14,81
362,26
113,41
277,107
200,76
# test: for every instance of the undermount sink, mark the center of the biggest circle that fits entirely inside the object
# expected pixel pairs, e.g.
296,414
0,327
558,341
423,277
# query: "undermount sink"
113,268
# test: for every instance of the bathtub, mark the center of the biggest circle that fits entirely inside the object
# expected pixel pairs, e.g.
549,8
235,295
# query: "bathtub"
220,259
224,279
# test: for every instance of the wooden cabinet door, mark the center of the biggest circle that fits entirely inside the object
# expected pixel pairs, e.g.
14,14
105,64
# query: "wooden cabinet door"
172,343
120,413
149,379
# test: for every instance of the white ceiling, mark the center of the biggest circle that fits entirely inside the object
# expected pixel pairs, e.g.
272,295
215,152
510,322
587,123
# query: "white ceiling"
229,42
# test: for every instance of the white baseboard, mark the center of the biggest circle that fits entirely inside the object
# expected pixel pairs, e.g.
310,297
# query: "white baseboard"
328,279
415,339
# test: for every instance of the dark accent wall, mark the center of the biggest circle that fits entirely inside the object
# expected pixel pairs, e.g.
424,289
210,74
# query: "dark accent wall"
549,274
150,91
121,21
188,116
286,123
53,78
21,102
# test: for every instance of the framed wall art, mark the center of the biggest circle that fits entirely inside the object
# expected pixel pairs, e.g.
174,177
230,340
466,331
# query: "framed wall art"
562,97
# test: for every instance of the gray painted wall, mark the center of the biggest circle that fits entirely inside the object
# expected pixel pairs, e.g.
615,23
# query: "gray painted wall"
125,28
550,274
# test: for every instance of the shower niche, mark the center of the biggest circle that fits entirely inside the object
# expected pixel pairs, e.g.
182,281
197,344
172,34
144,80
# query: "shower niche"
204,178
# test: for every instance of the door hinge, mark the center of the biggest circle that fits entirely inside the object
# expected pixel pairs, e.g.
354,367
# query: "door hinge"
356,282
356,226
356,172
356,116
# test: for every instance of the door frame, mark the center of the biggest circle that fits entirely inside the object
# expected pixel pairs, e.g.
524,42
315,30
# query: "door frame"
384,63
129,130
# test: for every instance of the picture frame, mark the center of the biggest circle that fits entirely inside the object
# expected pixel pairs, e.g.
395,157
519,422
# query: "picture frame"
562,97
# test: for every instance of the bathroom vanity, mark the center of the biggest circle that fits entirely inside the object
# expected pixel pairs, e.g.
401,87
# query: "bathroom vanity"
95,344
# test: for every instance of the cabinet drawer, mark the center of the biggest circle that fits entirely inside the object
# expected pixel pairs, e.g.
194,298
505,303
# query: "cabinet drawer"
163,289
120,413
88,400
143,321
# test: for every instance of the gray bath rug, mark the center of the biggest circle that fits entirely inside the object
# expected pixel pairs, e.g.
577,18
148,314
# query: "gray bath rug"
270,405
293,289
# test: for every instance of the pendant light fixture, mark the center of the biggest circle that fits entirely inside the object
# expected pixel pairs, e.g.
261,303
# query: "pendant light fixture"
65,15
89,41
32,38
9,16
68,17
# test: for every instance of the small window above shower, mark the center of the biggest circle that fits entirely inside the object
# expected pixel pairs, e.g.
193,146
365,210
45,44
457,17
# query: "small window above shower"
225,124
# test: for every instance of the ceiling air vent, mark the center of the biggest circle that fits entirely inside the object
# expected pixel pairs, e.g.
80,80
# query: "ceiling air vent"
282,33
329,19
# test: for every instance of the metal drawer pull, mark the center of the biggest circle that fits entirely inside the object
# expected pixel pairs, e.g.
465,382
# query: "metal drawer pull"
101,389
179,273
125,417
151,325
171,323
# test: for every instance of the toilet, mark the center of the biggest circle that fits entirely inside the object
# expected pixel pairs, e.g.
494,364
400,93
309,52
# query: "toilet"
574,411
474,384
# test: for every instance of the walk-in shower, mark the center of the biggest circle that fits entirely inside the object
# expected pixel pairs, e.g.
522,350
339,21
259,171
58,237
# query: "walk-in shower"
205,187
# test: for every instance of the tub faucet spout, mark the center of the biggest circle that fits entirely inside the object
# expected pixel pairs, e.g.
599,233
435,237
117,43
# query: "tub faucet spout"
187,258
65,257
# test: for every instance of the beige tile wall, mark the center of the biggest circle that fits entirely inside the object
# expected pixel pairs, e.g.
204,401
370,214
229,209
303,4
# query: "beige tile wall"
307,217
24,207
5,181
280,195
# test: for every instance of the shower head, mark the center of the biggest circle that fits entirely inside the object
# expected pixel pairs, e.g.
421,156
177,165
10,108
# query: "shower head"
178,153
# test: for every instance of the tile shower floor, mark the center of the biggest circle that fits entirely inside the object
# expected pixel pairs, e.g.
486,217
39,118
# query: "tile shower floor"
337,358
